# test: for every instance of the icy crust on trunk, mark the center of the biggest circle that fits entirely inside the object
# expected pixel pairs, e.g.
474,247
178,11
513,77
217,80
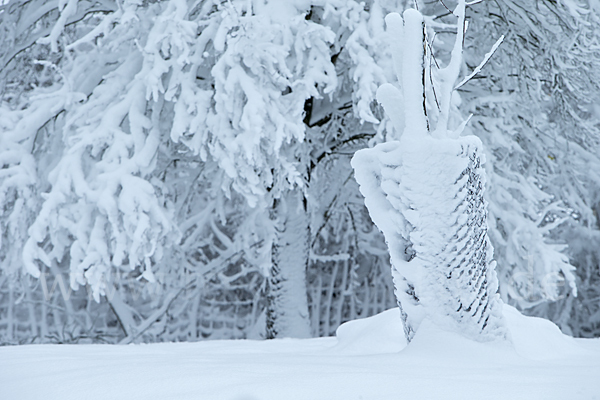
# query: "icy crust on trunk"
426,195
377,172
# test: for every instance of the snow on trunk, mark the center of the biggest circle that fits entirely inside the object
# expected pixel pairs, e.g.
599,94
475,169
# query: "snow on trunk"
287,303
441,184
425,193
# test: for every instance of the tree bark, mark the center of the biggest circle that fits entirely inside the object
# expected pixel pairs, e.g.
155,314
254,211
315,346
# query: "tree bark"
287,303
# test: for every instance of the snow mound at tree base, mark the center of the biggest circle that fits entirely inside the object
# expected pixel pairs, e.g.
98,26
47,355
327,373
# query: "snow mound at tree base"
379,334
530,337
538,338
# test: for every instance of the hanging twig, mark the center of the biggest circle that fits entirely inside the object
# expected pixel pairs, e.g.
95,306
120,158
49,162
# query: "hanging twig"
446,7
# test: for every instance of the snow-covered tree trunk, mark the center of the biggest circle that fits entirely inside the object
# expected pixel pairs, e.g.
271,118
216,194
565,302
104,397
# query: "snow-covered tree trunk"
287,304
425,193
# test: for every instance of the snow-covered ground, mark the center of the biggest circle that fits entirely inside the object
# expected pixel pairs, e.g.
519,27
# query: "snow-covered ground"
368,360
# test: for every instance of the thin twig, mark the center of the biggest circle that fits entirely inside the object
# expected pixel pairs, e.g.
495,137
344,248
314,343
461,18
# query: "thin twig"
482,64
441,1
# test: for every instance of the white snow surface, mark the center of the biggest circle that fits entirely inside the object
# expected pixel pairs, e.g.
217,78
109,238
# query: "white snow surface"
367,360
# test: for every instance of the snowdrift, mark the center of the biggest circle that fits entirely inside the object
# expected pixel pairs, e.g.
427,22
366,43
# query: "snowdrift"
369,359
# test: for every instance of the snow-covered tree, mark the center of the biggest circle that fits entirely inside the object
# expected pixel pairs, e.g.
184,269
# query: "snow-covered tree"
139,92
425,192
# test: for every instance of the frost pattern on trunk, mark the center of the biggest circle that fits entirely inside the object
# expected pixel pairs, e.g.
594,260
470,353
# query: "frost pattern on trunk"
425,193
287,303
443,201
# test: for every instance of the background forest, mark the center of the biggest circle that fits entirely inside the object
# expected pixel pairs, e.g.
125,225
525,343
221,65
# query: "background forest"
180,170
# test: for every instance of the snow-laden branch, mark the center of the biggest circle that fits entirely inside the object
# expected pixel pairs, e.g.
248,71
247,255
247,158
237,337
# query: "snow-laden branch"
66,8
449,74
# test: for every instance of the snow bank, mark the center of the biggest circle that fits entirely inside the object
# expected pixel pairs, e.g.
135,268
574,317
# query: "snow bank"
531,338
368,360
382,333
538,338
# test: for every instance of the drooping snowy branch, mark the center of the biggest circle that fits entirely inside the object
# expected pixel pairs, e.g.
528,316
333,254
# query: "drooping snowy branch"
102,210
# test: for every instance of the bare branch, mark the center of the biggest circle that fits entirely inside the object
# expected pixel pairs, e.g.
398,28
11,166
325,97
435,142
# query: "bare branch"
482,64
